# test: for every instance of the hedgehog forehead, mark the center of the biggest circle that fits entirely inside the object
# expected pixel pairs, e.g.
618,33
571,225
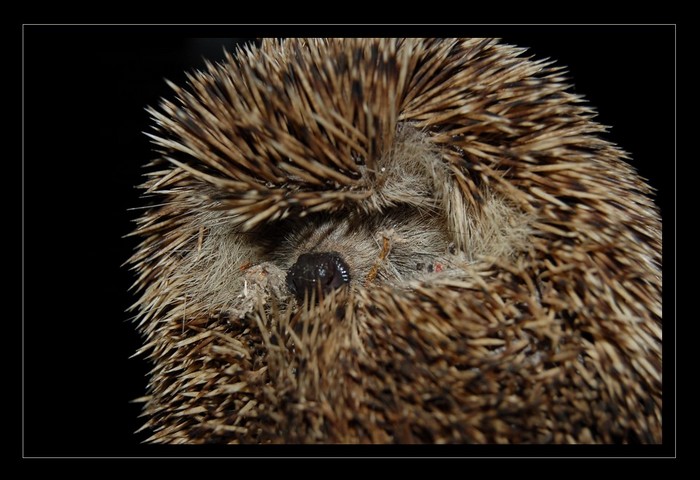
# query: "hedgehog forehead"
314,125
310,112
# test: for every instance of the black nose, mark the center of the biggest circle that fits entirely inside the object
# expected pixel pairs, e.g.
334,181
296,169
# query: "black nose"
317,272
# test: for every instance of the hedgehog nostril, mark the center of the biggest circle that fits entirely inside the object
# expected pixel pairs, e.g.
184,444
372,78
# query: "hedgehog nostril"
317,272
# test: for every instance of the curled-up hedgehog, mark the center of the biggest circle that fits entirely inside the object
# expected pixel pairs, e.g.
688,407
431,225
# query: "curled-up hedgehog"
394,241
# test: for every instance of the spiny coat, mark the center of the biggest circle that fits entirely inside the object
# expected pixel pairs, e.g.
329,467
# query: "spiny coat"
537,319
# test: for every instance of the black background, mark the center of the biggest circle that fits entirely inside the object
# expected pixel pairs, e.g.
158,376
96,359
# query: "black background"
84,93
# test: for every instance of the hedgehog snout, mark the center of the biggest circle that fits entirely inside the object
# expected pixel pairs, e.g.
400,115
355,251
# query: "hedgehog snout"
319,272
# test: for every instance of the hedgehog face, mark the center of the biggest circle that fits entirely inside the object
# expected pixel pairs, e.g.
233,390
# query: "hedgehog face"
391,244
403,231
477,258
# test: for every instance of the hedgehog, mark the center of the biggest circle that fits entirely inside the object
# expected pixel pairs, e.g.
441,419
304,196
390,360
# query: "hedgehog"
394,241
